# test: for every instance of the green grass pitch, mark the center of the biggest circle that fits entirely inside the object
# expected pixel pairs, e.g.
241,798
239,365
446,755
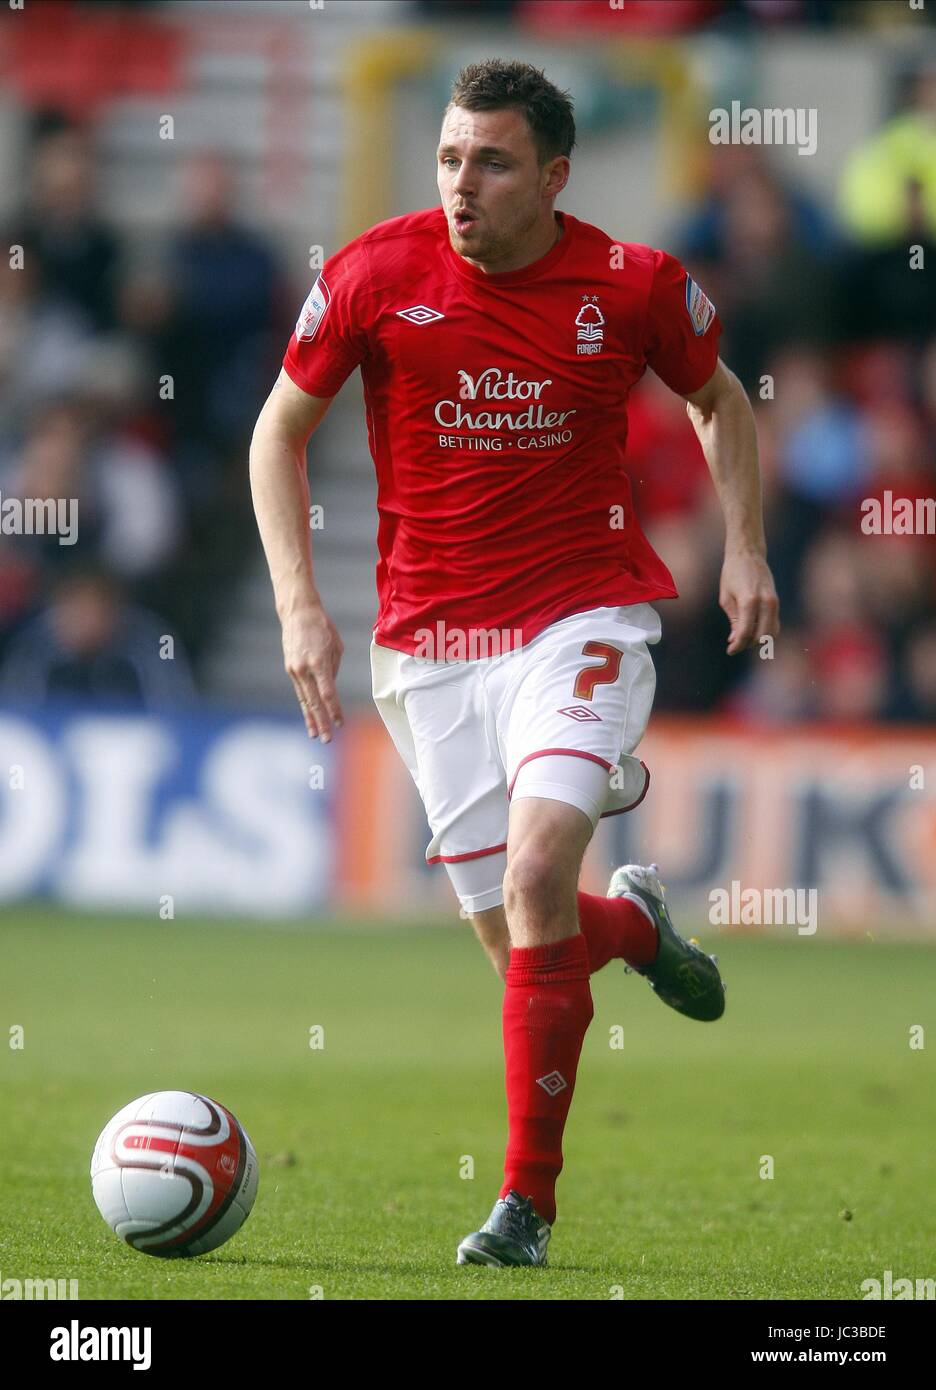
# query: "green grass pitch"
361,1143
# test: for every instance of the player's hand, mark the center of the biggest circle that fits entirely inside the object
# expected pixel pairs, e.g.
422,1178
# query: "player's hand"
312,650
748,596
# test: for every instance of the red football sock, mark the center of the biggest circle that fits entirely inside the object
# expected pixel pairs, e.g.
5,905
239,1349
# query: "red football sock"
547,1009
616,928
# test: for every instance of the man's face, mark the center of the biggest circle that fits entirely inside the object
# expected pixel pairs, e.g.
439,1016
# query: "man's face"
487,164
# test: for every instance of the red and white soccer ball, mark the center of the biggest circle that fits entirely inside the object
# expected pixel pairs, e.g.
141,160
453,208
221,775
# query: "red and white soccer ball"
174,1174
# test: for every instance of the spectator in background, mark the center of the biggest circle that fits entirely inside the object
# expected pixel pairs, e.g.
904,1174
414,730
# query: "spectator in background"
851,673
815,461
128,518
162,498
887,200
833,594
78,253
693,669
768,278
848,653
42,336
223,281
873,193
915,698
90,644
205,317
703,237
780,689
203,314
899,570
823,455
835,666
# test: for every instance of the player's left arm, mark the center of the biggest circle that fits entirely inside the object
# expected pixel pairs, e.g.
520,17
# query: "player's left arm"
722,418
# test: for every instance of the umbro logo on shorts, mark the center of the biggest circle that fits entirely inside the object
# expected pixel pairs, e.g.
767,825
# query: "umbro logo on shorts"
419,314
580,713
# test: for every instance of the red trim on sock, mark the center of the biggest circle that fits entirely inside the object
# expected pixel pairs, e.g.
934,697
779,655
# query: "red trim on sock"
560,960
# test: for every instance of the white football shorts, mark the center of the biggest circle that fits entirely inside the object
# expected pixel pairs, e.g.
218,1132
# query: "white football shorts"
558,718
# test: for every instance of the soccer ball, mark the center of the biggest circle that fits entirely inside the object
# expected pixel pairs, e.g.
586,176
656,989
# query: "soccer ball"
174,1174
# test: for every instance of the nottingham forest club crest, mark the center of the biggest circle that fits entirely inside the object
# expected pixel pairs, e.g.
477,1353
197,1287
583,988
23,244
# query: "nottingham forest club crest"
589,323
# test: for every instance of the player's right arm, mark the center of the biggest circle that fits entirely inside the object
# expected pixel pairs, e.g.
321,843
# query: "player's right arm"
330,339
312,646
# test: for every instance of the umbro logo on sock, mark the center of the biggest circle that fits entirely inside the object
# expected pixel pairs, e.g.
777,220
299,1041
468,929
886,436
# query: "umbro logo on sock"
552,1083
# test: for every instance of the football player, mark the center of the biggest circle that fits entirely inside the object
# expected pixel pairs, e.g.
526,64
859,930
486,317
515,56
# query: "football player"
498,340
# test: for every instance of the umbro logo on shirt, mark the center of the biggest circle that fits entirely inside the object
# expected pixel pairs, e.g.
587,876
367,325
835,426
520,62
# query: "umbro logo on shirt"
419,314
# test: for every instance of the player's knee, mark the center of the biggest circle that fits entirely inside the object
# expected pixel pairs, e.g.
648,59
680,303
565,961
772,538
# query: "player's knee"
536,882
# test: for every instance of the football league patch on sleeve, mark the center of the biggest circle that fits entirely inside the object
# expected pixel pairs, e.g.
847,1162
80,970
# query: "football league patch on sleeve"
701,309
313,311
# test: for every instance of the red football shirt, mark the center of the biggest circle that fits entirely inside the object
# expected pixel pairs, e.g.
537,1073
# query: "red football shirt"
497,417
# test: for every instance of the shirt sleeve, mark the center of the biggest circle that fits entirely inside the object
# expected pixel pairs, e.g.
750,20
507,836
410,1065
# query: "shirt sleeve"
330,336
683,328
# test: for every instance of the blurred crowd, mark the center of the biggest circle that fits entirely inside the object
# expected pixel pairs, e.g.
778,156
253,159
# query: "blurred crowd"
131,375
830,322
668,16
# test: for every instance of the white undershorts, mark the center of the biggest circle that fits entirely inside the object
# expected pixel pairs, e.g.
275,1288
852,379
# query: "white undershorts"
557,718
